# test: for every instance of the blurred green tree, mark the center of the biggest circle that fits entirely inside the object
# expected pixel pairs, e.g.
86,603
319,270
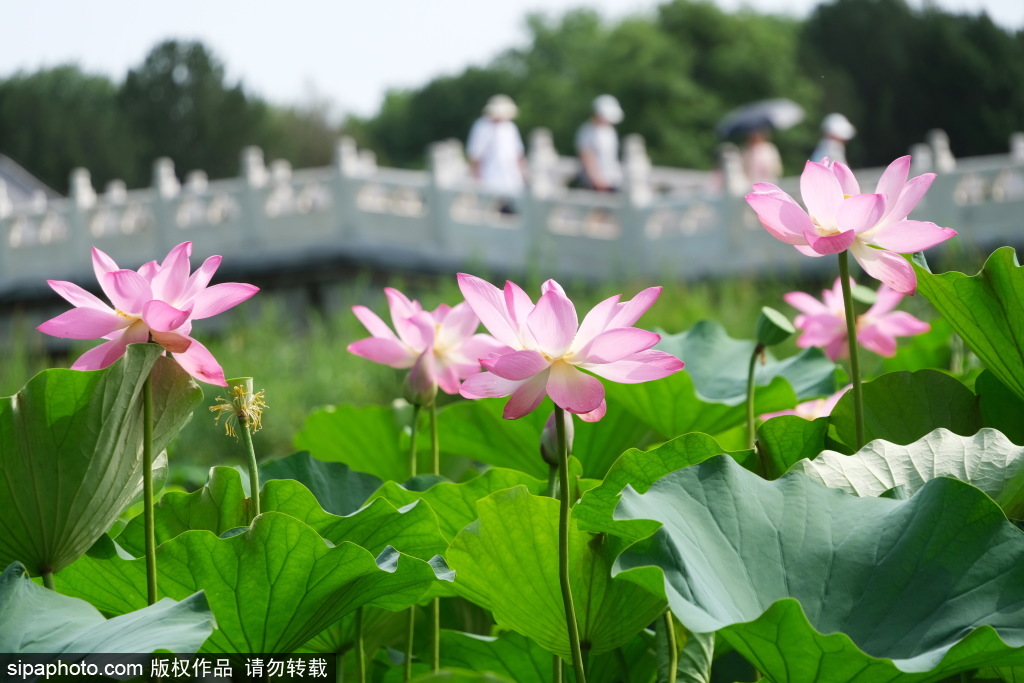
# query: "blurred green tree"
180,106
898,73
56,119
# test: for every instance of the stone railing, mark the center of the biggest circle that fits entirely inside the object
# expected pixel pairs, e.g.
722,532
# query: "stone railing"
666,223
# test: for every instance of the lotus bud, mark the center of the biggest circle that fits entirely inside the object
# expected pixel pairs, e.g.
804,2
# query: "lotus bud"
549,439
421,382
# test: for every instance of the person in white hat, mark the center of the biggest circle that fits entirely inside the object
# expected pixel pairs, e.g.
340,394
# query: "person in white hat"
836,131
597,145
497,156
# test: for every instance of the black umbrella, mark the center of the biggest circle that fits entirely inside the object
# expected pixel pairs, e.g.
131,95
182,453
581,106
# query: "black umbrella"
777,114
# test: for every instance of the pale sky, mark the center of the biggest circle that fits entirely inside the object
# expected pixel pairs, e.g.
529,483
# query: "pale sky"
346,51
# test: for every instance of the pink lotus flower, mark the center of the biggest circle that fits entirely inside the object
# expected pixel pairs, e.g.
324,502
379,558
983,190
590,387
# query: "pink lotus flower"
440,344
824,322
157,302
839,217
813,409
550,347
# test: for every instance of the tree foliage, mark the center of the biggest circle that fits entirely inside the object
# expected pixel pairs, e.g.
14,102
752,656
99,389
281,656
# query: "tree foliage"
895,71
899,73
179,104
56,119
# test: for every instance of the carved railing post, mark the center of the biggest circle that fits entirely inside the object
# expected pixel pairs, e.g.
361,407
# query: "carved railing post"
255,178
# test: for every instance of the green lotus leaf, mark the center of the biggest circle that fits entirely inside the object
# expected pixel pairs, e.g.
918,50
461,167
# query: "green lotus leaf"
694,653
412,529
271,588
71,453
221,505
455,503
39,620
787,439
986,310
339,490
368,439
476,430
514,657
381,627
813,584
460,676
718,365
709,395
988,461
901,407
1000,408
640,469
507,562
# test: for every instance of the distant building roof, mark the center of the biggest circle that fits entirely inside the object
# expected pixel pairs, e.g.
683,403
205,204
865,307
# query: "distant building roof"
21,185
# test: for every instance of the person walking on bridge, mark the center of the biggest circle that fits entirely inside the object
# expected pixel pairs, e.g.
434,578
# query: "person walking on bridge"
497,156
597,145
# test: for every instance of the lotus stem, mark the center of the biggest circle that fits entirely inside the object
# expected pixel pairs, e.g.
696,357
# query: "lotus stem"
851,338
552,491
147,489
556,669
360,655
435,607
48,579
673,652
563,547
413,469
410,638
758,350
254,476
411,631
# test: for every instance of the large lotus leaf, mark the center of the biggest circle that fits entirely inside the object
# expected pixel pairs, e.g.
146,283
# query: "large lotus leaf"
39,620
455,504
813,584
507,562
709,394
271,588
987,461
520,659
718,365
787,439
476,430
640,469
71,453
460,676
901,407
694,652
986,310
221,505
513,657
369,439
412,529
510,655
339,489
380,628
1000,408
922,351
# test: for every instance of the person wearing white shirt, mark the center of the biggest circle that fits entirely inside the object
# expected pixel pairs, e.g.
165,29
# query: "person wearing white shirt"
836,131
597,145
497,156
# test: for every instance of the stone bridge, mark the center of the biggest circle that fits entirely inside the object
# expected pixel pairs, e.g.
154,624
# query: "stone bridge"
666,223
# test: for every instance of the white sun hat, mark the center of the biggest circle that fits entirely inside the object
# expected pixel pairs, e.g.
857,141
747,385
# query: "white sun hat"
838,126
501,107
608,108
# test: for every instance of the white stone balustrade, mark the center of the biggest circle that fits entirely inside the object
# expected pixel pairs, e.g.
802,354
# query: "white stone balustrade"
666,223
